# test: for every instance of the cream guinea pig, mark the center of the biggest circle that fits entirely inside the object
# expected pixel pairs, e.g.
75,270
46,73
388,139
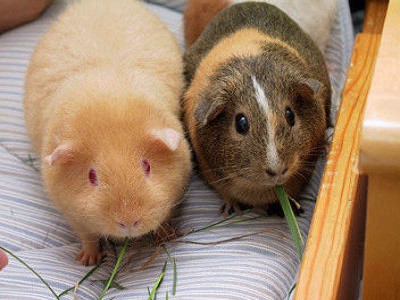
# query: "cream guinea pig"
102,107
257,103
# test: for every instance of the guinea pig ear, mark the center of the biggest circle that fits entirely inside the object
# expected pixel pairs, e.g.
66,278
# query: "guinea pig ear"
168,137
309,89
208,110
60,155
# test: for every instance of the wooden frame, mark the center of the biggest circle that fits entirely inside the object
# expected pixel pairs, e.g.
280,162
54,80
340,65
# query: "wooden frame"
380,160
331,267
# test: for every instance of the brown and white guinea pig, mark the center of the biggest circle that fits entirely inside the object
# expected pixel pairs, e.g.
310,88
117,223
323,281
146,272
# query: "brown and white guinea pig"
102,107
315,17
257,103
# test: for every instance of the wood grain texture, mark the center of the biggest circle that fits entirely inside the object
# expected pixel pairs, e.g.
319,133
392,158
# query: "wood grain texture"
330,267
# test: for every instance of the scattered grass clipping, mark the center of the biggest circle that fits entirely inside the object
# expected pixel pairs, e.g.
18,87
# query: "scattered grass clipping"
110,281
290,218
175,270
157,284
88,274
32,270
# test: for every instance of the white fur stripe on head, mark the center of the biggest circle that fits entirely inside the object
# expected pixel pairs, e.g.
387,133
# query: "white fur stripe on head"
272,152
260,96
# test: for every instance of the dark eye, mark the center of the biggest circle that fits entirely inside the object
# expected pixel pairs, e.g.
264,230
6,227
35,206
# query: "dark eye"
146,167
93,177
241,124
289,115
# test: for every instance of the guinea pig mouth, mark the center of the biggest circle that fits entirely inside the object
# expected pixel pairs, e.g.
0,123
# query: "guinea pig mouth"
256,180
280,180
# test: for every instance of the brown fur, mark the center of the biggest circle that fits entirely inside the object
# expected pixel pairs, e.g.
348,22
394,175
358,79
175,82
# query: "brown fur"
198,14
245,44
93,90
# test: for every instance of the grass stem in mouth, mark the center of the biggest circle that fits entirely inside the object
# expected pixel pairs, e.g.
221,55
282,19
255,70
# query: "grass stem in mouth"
290,218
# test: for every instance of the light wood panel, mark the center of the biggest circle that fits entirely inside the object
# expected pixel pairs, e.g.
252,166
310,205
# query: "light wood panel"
380,153
331,264
381,127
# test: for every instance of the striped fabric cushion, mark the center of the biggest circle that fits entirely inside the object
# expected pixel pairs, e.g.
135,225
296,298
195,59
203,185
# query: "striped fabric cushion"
177,5
262,266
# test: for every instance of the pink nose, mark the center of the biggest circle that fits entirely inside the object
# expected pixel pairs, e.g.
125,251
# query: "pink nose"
123,225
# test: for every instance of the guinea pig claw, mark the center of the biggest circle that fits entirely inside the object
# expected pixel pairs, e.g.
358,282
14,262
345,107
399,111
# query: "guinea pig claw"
222,209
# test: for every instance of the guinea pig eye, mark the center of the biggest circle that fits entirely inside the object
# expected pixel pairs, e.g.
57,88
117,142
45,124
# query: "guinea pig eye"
241,124
289,115
93,177
146,167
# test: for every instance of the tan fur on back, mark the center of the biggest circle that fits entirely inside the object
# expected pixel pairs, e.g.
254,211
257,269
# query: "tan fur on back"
68,49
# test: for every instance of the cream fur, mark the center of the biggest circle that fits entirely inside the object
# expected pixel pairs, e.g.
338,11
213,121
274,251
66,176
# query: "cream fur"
102,80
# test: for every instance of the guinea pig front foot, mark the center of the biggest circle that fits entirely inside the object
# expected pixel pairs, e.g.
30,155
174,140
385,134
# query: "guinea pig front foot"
90,254
230,208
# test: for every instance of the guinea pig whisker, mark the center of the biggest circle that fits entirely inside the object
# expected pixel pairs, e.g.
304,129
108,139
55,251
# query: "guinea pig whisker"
226,178
300,174
226,168
308,164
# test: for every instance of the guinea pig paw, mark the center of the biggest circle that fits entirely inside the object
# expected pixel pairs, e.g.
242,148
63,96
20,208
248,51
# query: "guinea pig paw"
228,209
89,256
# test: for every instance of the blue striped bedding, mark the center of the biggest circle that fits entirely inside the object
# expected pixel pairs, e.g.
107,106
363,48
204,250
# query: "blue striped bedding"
262,266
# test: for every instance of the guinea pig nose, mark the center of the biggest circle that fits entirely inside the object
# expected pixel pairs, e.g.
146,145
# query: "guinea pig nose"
270,172
128,225
121,225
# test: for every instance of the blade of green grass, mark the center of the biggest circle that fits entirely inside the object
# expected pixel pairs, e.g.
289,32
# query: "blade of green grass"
175,271
291,290
239,221
114,284
32,270
157,284
164,267
219,222
290,218
166,296
88,274
121,255
175,279
166,251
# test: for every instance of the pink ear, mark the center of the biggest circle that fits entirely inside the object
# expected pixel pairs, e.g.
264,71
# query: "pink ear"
169,137
60,155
